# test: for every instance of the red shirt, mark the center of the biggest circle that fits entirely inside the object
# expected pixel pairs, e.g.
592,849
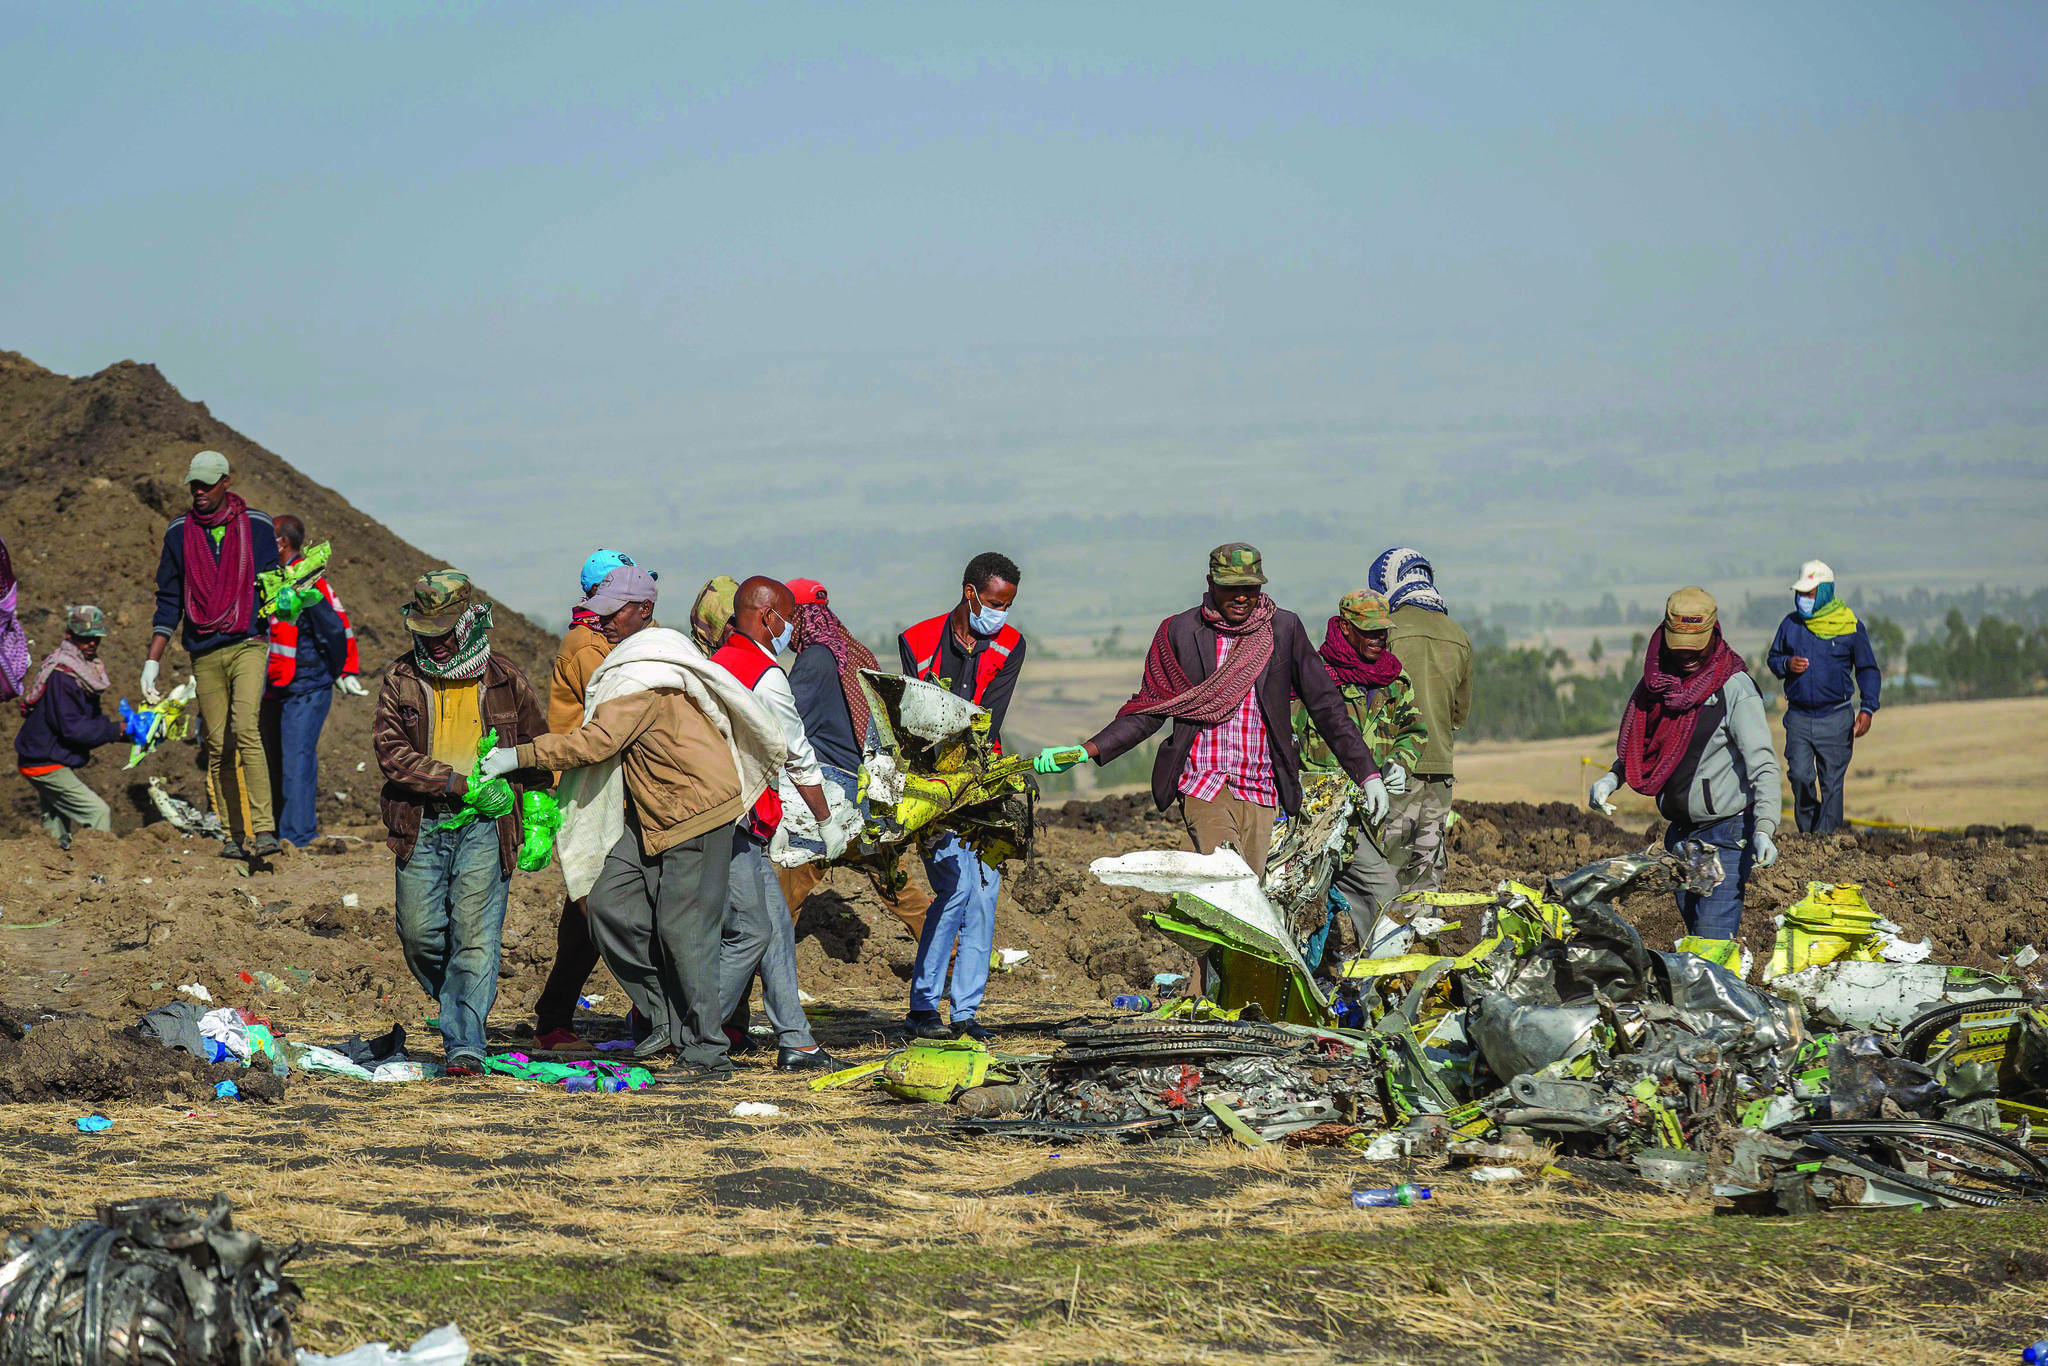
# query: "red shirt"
1235,751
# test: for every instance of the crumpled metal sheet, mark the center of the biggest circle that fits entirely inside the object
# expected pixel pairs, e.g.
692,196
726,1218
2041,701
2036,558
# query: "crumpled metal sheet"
1517,1037
1883,996
931,766
1218,891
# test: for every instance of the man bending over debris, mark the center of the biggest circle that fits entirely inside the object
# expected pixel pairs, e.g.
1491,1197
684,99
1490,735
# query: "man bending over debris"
439,700
1224,672
206,578
974,653
1438,656
64,725
1381,703
1695,738
759,933
672,751
312,657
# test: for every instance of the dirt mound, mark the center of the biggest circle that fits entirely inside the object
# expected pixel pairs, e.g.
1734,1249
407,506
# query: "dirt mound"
83,1060
89,470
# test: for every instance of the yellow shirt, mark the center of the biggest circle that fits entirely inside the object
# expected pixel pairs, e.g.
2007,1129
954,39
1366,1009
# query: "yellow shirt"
457,723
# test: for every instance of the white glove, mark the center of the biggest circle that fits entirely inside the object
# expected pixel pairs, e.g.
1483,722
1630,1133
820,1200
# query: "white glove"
1603,788
1397,778
149,693
351,685
1377,804
1765,848
498,763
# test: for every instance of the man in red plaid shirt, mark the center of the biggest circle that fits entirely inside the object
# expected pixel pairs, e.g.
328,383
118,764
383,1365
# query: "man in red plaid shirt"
1226,672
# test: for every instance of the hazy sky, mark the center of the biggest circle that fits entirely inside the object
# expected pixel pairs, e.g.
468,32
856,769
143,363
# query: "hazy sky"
486,266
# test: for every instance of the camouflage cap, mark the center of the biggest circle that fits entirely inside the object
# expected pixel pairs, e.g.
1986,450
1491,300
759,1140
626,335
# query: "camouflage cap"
1689,617
1236,565
439,598
85,621
711,613
1366,610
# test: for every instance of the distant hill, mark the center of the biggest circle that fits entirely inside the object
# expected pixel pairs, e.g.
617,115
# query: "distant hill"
89,479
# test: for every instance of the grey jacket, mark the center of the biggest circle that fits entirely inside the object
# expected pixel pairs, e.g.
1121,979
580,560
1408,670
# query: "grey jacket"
1738,770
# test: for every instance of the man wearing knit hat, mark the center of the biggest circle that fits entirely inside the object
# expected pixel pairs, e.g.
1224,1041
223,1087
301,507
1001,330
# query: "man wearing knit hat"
1694,738
1824,655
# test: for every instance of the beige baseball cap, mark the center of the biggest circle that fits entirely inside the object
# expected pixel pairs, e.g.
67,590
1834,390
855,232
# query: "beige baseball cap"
1812,575
1689,617
208,468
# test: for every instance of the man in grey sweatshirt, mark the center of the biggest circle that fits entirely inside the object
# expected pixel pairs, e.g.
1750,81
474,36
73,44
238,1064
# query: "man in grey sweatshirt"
1695,738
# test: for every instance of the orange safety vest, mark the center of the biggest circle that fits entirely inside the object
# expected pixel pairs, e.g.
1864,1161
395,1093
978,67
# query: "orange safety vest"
749,663
927,637
283,664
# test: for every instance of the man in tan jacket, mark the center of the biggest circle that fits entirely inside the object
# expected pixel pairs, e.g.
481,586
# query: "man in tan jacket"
657,907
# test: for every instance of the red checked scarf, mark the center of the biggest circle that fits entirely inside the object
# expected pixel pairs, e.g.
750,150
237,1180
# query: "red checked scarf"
1664,709
220,592
817,624
1166,690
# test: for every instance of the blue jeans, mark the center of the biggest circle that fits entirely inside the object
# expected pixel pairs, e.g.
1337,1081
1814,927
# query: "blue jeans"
451,920
1716,914
1817,748
292,723
963,909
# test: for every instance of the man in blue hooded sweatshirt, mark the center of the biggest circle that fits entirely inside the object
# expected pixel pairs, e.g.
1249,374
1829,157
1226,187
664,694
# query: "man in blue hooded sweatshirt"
1823,654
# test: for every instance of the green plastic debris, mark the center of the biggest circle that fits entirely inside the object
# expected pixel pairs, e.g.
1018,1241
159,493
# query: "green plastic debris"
282,592
484,800
935,1071
540,816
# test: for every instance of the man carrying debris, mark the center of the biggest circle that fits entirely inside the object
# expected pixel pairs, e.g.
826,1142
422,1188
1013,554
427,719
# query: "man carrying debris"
1438,656
312,657
1381,702
439,700
973,652
1694,737
1824,655
672,751
759,934
206,579
64,725
1225,671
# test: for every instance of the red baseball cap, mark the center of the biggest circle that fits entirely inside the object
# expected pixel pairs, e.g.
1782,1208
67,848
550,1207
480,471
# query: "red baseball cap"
807,590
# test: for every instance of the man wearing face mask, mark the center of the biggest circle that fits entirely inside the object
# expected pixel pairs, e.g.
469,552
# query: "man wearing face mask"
1224,672
976,654
1824,655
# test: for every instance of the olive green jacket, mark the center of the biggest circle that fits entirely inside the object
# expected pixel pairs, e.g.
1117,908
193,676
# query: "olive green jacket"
1436,654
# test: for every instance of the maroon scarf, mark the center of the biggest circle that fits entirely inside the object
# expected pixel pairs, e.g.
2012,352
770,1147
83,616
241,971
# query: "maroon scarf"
1345,665
1167,691
1663,711
817,624
220,590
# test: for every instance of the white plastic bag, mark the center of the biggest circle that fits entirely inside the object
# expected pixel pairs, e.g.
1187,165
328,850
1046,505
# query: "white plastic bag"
445,1346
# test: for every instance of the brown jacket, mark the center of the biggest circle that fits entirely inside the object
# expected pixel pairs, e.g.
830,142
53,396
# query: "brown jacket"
413,779
578,656
680,778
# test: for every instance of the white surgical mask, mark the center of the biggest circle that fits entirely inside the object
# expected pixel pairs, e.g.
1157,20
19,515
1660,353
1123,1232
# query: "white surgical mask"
781,642
986,620
1804,602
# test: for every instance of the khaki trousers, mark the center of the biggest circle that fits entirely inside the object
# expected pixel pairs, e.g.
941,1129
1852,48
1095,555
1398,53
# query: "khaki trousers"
68,804
230,705
1230,819
1414,834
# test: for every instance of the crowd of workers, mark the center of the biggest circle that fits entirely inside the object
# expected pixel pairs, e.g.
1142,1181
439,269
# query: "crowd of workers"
676,754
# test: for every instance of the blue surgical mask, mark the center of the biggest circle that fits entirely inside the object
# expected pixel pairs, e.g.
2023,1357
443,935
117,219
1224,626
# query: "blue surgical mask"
985,620
1804,602
781,642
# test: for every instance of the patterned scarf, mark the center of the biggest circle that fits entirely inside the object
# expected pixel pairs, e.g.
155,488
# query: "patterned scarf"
1345,665
14,656
1664,710
472,648
1403,576
220,589
1167,690
91,672
817,624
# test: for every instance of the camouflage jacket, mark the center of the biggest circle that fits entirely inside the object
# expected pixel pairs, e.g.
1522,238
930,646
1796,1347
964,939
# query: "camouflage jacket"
1387,717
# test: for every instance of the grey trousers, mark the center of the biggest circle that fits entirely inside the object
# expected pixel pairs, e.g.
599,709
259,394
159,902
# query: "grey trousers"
1817,750
759,933
656,921
68,804
1370,884
1414,833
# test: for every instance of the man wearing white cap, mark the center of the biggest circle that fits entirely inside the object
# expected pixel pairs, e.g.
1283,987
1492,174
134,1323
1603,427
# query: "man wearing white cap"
1831,685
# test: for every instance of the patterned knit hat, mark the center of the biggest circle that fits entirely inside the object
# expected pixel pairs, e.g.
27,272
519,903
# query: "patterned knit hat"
1407,578
1236,565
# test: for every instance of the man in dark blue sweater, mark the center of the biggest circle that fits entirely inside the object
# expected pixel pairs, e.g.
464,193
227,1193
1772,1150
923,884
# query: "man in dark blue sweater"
64,725
1823,654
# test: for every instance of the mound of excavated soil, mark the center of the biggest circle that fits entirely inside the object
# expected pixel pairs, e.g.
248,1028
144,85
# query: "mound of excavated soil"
84,1060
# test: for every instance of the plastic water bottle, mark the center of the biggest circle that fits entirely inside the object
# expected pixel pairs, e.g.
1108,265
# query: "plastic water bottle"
1389,1197
2037,1355
1130,1003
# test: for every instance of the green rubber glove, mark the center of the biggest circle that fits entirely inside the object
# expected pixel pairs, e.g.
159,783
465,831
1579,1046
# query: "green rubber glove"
1058,760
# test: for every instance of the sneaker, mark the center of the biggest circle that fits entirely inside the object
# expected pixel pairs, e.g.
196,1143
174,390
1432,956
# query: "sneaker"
796,1060
926,1024
465,1065
654,1045
970,1028
229,849
559,1039
266,846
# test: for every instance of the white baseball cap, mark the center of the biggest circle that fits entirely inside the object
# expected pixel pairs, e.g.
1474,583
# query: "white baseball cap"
1812,575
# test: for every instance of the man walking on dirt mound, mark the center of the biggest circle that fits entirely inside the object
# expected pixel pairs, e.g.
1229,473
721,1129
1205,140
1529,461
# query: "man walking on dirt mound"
972,651
1438,657
64,725
440,699
1694,737
1823,654
1224,671
312,657
206,579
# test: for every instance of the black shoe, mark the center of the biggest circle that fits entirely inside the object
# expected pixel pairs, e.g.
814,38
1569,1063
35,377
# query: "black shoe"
266,846
464,1065
654,1045
229,849
796,1060
926,1024
970,1028
691,1072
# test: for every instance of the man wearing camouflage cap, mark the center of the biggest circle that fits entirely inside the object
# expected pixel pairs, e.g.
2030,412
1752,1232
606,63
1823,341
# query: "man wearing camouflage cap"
1381,702
1224,671
64,724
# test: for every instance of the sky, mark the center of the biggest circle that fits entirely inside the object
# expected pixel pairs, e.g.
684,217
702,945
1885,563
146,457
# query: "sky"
524,279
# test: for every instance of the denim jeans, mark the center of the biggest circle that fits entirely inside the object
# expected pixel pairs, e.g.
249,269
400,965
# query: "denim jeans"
292,723
963,909
1817,749
1716,914
451,920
